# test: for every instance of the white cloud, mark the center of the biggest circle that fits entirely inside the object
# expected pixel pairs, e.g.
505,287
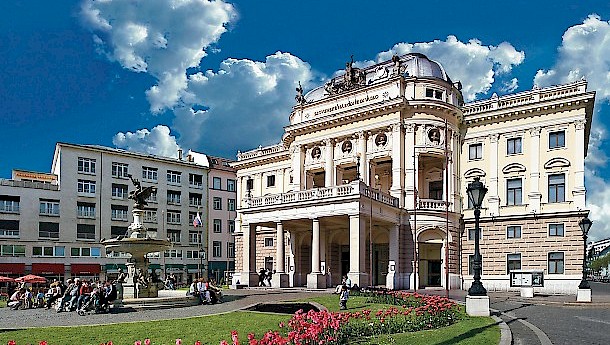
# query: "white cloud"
157,141
159,37
472,63
510,86
585,52
247,103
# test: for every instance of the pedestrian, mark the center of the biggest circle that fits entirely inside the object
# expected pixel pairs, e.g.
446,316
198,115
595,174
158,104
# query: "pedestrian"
269,275
261,277
343,297
16,299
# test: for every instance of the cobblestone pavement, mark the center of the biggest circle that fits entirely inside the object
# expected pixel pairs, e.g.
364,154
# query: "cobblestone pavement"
235,300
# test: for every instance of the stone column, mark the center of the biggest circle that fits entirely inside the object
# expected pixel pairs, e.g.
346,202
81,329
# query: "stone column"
315,280
297,165
579,165
391,281
533,150
329,165
363,157
410,165
280,278
291,259
494,199
397,167
248,275
357,251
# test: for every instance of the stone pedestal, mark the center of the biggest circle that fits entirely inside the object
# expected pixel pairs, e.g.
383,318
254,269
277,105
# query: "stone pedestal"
583,295
477,305
279,280
527,292
360,279
390,282
316,281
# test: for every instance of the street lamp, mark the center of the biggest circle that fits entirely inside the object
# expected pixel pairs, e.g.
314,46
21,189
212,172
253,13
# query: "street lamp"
476,192
585,225
201,267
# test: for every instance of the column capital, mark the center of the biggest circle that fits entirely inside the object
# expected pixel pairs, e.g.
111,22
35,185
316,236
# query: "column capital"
535,132
493,138
410,127
361,135
395,127
328,141
580,124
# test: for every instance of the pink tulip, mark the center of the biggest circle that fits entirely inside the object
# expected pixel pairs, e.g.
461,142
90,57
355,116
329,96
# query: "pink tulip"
146,341
178,341
137,342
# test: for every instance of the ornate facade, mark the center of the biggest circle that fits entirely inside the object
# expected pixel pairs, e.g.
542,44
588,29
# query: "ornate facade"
369,180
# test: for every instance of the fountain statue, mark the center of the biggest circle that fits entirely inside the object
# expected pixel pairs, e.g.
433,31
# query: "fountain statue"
137,283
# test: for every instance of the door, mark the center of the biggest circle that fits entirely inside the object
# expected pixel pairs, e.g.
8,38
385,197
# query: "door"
434,273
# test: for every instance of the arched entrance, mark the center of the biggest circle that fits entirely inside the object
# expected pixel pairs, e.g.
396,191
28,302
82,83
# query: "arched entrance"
430,248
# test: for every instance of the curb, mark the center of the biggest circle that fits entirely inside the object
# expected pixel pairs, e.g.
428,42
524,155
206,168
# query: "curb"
506,336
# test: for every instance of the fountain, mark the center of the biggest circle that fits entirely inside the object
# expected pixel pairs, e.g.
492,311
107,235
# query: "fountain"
137,283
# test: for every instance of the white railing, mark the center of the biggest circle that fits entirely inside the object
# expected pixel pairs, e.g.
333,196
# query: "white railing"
524,98
431,204
352,189
260,151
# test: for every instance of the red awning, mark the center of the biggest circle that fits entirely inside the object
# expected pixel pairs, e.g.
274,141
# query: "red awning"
85,268
45,268
16,268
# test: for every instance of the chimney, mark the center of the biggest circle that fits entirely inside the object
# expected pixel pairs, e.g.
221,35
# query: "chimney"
180,154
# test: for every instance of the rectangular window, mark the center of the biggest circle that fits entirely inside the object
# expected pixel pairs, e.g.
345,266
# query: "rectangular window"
86,165
85,232
249,184
513,262
556,263
513,232
513,146
471,234
435,190
269,263
49,207
475,151
173,197
86,187
231,204
231,249
119,212
9,204
173,235
196,181
557,188
173,253
192,254
150,174
217,225
231,185
432,93
216,249
514,191
85,210
9,228
120,170
216,183
557,139
217,203
268,241
192,216
119,191
173,217
48,230
271,181
150,216
556,230
116,231
85,251
195,199
48,251
12,250
173,177
194,237
231,225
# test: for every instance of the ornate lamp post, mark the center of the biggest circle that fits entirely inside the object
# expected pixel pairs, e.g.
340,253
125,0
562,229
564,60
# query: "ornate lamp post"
201,266
585,225
476,192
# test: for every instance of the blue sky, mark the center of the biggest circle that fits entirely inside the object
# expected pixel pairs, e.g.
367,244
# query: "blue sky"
218,77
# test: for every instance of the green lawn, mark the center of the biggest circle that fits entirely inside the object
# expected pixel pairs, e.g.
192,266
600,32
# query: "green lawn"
214,328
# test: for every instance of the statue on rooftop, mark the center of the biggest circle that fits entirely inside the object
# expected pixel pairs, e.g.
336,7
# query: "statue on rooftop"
300,98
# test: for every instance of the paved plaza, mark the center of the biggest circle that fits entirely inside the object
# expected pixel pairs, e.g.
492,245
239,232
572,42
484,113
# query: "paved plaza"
540,320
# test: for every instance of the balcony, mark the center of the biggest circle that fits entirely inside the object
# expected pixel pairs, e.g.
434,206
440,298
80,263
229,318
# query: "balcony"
354,189
431,204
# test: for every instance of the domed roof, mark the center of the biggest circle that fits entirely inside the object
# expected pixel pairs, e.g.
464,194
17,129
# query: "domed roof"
409,65
418,65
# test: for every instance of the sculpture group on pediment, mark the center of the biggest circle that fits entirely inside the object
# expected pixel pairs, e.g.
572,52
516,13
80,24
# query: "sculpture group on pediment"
353,77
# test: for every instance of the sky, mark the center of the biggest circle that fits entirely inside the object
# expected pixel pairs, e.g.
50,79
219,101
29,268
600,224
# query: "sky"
219,76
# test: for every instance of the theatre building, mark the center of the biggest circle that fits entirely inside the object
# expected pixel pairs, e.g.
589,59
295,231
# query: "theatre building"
369,180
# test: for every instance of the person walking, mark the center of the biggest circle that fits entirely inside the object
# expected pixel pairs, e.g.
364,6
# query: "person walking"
343,297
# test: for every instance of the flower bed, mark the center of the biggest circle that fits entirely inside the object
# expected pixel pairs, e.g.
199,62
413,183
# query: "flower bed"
409,312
